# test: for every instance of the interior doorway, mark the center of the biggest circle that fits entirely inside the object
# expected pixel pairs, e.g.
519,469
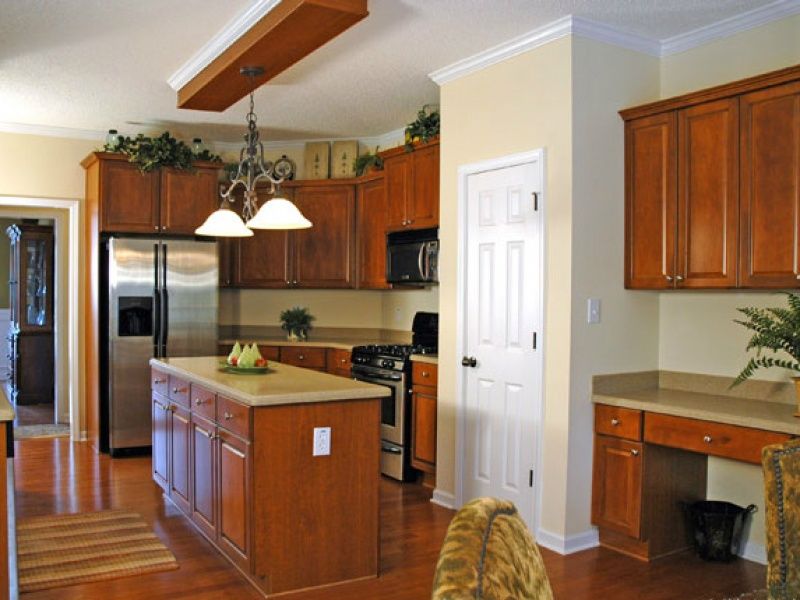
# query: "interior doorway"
501,316
65,218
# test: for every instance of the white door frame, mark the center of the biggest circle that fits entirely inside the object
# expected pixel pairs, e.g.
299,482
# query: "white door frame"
69,331
512,160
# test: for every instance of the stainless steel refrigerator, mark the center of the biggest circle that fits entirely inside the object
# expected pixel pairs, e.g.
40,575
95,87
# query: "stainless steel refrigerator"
162,302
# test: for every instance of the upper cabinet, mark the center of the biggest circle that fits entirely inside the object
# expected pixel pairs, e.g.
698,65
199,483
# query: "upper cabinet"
372,216
161,201
712,187
412,186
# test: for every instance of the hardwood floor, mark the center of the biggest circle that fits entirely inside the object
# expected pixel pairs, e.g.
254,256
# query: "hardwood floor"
55,476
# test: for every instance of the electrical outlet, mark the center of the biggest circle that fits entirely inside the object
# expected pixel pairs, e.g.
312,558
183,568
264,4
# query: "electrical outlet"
322,441
593,310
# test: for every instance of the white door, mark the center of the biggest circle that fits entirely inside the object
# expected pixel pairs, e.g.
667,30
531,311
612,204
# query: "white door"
501,390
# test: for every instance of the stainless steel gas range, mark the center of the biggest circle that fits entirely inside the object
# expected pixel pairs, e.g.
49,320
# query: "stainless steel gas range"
390,366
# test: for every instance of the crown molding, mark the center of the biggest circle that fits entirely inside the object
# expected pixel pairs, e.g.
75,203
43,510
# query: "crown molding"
601,32
220,42
730,26
52,131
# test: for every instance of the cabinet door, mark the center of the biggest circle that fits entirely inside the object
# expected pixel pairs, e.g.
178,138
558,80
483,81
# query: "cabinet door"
423,203
708,194
160,442
324,255
234,498
128,199
372,211
398,171
617,485
179,457
187,198
423,454
203,496
650,202
770,187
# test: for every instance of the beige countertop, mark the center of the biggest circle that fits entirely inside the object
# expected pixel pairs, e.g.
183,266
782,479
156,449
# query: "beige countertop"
6,408
341,344
431,359
699,397
284,384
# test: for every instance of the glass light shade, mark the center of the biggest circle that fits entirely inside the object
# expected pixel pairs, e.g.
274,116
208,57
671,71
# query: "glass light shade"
279,213
223,222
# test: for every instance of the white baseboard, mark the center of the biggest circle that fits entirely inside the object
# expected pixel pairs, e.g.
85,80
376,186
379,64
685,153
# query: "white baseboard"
445,499
570,544
755,552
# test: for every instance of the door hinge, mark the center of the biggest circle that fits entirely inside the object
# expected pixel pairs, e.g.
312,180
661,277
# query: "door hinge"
535,200
534,340
530,478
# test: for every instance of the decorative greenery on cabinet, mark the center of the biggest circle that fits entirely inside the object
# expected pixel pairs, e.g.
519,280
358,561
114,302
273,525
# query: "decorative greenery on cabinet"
150,154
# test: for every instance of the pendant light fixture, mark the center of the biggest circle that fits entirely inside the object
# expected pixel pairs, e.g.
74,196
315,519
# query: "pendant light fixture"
276,213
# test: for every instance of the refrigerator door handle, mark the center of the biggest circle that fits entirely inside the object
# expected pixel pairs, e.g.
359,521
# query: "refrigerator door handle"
156,306
164,302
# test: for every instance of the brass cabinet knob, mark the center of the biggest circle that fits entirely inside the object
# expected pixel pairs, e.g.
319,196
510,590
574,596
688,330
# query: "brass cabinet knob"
198,401
615,422
634,452
707,439
678,277
159,381
669,277
228,416
301,357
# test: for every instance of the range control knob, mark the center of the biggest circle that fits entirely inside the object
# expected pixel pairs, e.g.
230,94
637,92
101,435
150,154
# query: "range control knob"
387,364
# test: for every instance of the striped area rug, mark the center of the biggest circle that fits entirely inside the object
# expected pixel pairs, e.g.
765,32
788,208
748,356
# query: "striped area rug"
61,550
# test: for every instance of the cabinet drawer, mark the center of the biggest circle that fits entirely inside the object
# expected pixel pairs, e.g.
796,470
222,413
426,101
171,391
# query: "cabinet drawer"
270,352
706,437
424,374
159,382
311,358
204,402
233,416
338,360
618,422
179,391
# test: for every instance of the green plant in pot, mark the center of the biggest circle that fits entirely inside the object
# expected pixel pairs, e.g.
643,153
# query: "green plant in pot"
296,321
368,162
777,331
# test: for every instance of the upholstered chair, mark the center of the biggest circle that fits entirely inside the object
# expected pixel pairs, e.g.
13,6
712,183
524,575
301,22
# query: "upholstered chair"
781,464
489,554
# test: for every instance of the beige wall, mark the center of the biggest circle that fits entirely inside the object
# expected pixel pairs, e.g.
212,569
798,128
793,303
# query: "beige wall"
696,332
517,105
604,79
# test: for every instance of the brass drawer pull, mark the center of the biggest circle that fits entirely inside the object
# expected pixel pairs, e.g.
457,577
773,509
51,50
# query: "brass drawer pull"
228,416
198,401
176,390
158,381
615,422
634,452
707,439
301,357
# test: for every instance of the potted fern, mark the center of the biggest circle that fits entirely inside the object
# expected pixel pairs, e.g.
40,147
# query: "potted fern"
776,330
296,321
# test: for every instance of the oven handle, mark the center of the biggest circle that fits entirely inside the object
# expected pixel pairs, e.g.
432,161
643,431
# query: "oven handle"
361,376
390,450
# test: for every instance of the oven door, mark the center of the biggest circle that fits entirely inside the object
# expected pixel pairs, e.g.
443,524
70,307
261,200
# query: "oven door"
392,413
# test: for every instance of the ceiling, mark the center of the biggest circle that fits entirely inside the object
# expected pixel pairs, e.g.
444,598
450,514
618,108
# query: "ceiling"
98,64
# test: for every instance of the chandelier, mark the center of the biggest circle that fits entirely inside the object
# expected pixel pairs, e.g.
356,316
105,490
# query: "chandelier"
276,213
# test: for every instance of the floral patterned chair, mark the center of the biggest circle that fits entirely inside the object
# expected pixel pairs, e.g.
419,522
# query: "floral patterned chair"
489,554
781,465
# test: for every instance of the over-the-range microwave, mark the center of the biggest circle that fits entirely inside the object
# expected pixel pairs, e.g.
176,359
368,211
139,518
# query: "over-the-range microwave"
413,256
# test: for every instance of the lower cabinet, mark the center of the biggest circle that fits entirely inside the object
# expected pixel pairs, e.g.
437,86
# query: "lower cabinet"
617,494
203,504
233,461
161,442
423,411
179,456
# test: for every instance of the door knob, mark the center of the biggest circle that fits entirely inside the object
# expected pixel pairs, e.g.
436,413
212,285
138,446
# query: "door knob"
469,361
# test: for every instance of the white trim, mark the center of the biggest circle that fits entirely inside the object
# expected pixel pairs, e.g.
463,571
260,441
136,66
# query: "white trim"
570,544
755,552
464,171
71,327
52,131
528,41
610,34
444,499
730,26
220,42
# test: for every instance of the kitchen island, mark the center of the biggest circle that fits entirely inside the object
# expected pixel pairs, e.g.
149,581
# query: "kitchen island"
290,507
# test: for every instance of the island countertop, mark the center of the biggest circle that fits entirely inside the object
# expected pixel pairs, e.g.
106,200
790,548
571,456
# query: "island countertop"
283,384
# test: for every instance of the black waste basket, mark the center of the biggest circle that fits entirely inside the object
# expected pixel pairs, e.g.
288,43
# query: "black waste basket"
718,528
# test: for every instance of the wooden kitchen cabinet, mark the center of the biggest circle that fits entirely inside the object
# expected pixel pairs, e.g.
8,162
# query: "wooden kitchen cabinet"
180,432
770,187
204,475
412,186
424,378
372,218
233,486
161,442
338,362
161,201
303,356
711,184
617,485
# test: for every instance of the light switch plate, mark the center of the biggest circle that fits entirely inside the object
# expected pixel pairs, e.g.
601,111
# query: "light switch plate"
322,441
593,310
